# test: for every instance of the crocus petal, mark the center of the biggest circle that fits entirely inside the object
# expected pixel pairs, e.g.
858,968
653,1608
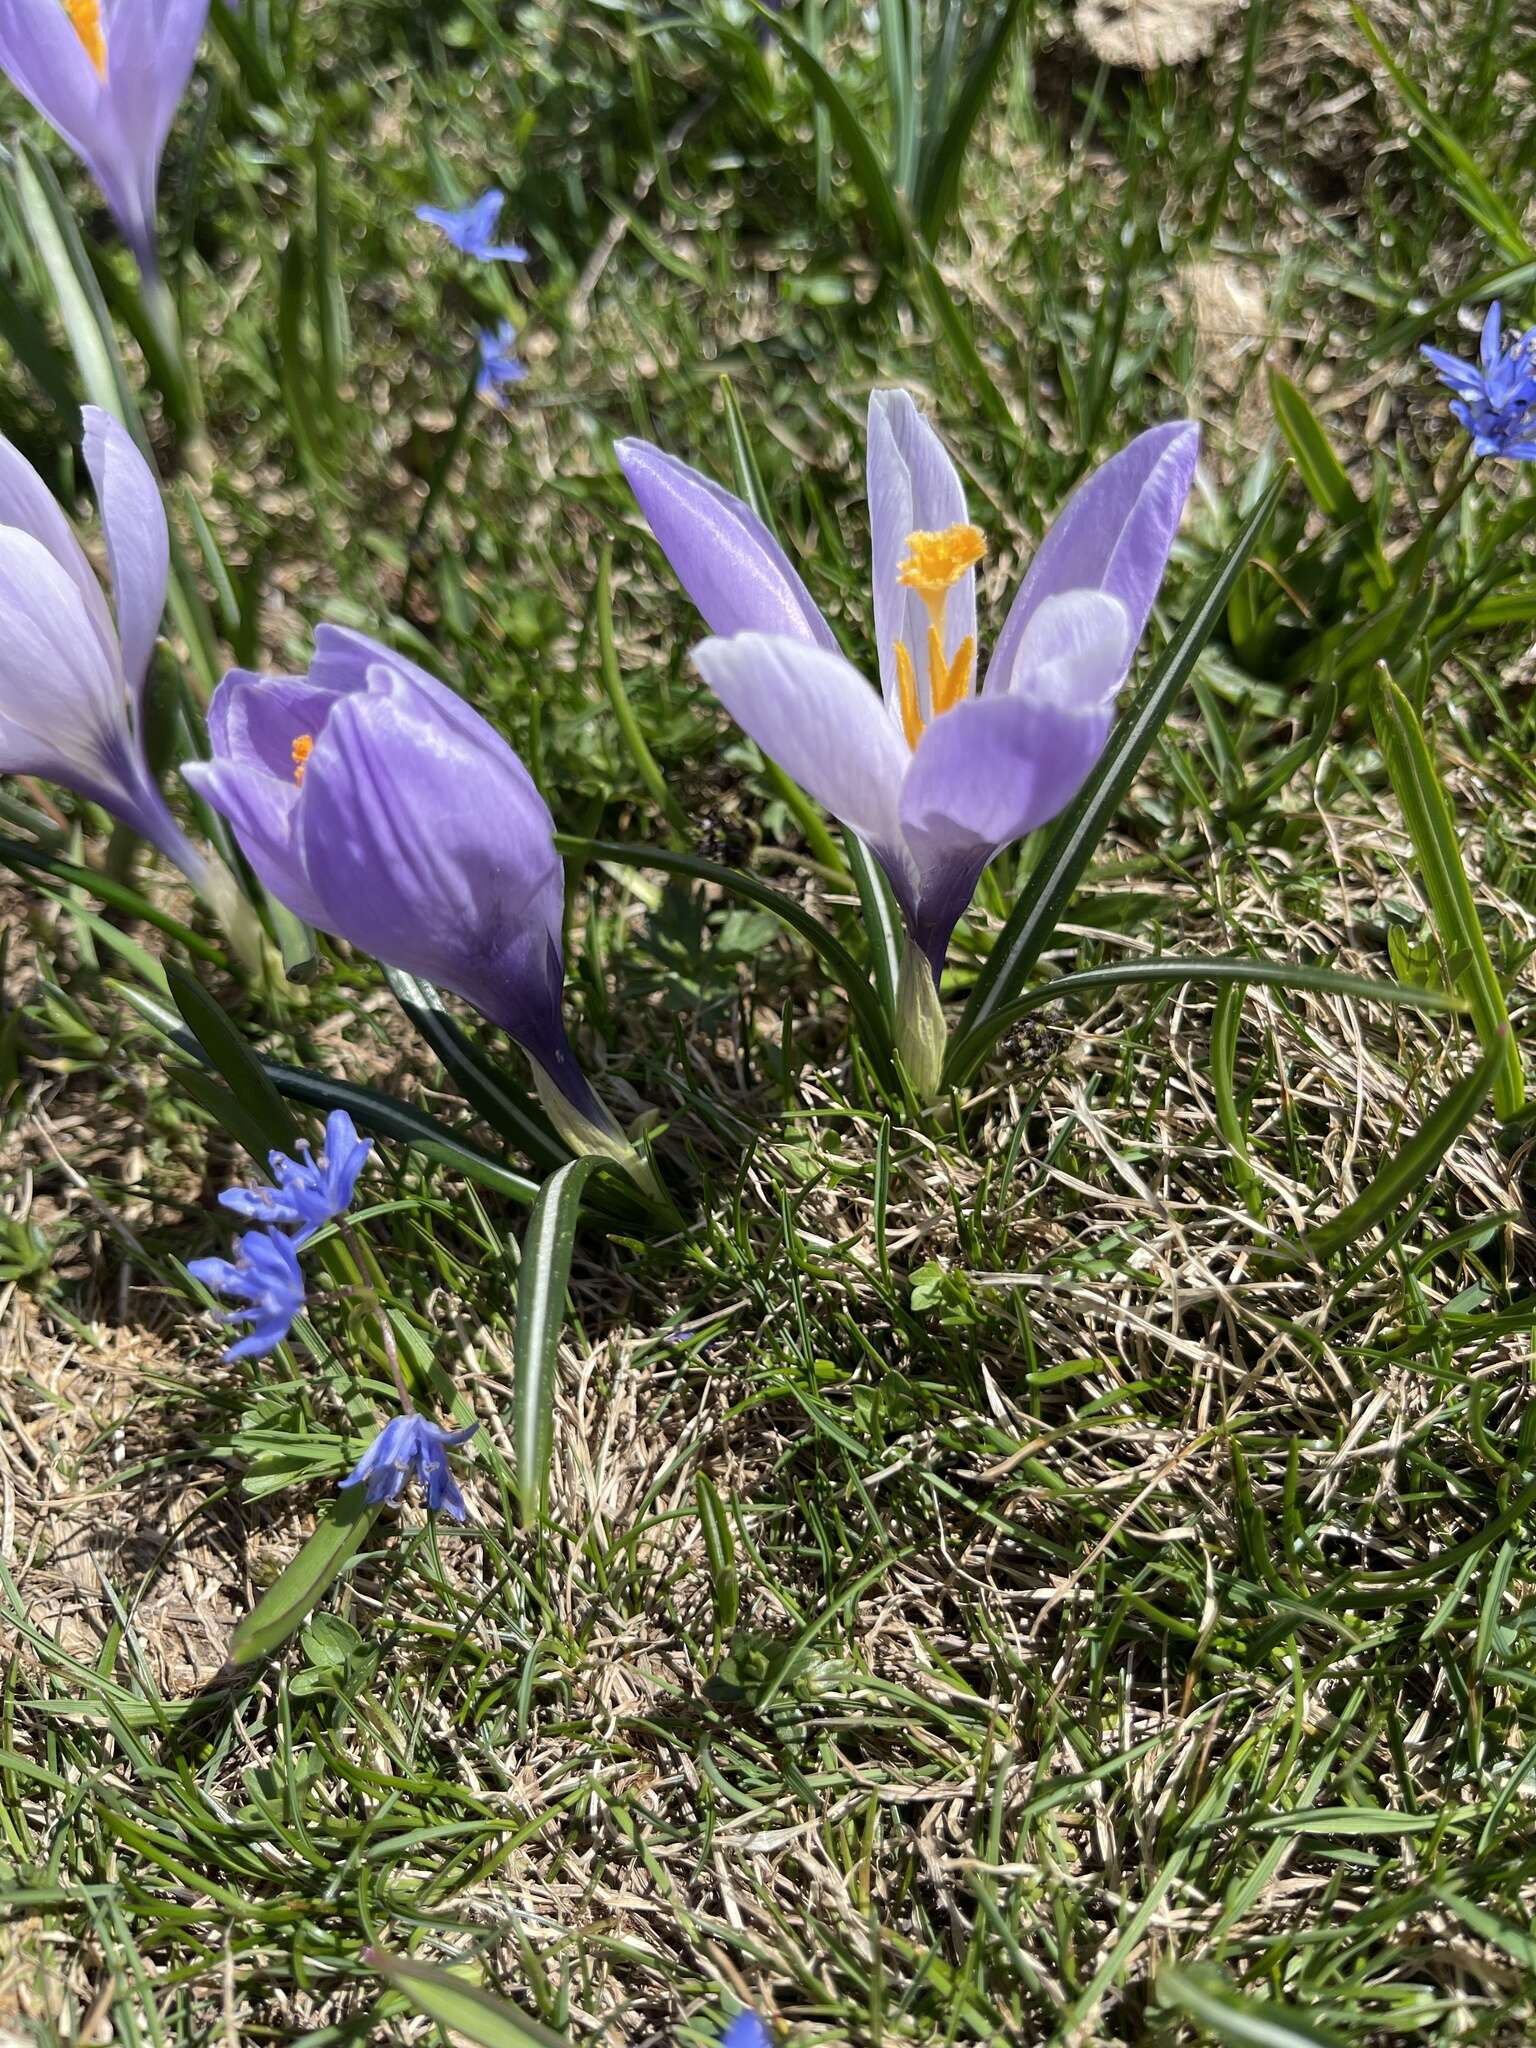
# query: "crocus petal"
821,722
1075,648
27,502
138,546
61,705
983,775
263,812
913,487
1113,534
731,566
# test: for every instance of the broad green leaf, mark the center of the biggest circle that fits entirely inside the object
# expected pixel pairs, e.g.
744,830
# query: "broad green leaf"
229,1055
1413,1163
944,149
460,2007
1207,1996
1319,467
1071,846
1443,874
82,309
546,1267
344,1522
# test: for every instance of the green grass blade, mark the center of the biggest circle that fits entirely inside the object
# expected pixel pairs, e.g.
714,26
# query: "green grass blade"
541,1282
1427,814
1319,467
231,1058
944,151
461,2008
839,962
852,132
1071,846
344,1522
1206,1996
635,742
116,895
1221,971
1413,1163
882,920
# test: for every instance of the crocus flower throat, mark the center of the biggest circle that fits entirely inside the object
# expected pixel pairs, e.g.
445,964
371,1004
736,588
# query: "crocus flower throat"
85,15
934,564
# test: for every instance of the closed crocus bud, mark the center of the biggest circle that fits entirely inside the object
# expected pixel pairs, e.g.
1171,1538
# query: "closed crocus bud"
378,806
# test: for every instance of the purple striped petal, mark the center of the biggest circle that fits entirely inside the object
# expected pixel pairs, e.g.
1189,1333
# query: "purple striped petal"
821,722
913,487
138,548
1113,534
736,573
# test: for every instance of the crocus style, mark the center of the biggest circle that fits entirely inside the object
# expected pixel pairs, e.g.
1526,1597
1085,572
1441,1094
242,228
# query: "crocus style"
377,805
108,75
72,682
934,774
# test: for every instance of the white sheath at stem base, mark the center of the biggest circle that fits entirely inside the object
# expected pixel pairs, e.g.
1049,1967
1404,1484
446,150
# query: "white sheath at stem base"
589,1139
921,1033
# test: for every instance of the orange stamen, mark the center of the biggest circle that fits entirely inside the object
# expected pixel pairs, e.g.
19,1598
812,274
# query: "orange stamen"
951,680
906,677
85,17
302,748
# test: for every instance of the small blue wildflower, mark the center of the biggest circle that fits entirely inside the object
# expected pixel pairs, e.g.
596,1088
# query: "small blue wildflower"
1495,397
265,1273
410,1447
745,2031
499,365
470,228
309,1191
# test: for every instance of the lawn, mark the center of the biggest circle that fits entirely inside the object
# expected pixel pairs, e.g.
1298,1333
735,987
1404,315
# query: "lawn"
1049,1562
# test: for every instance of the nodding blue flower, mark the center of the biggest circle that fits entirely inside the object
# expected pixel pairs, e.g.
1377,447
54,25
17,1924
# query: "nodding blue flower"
471,227
265,1274
309,1192
499,363
745,2031
1496,396
406,1448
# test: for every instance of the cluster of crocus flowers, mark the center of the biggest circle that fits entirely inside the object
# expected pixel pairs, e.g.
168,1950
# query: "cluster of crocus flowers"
72,677
108,75
379,807
1495,396
939,771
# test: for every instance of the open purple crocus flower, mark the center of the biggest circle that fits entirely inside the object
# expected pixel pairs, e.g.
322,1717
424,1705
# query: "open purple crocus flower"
307,1193
470,228
934,774
72,681
377,805
108,75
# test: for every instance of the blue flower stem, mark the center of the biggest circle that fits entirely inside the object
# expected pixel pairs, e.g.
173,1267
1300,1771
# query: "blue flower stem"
438,480
386,1331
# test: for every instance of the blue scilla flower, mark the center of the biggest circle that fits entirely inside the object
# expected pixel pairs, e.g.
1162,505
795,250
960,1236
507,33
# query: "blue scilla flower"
407,1448
309,1192
499,362
264,1274
471,227
745,2031
1495,396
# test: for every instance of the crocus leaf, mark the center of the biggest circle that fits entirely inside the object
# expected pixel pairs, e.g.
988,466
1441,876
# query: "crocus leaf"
1208,1997
460,2007
492,1095
1414,1161
1427,814
343,1523
882,920
106,889
541,1282
873,1024
381,1115
944,149
635,742
1071,845
229,1055
1219,970
1320,469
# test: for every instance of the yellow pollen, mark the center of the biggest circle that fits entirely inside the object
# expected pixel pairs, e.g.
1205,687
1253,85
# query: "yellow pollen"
936,561
302,748
85,15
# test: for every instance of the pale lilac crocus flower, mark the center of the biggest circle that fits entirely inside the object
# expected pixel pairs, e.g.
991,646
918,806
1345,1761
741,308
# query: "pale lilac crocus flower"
108,75
71,679
378,806
935,773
